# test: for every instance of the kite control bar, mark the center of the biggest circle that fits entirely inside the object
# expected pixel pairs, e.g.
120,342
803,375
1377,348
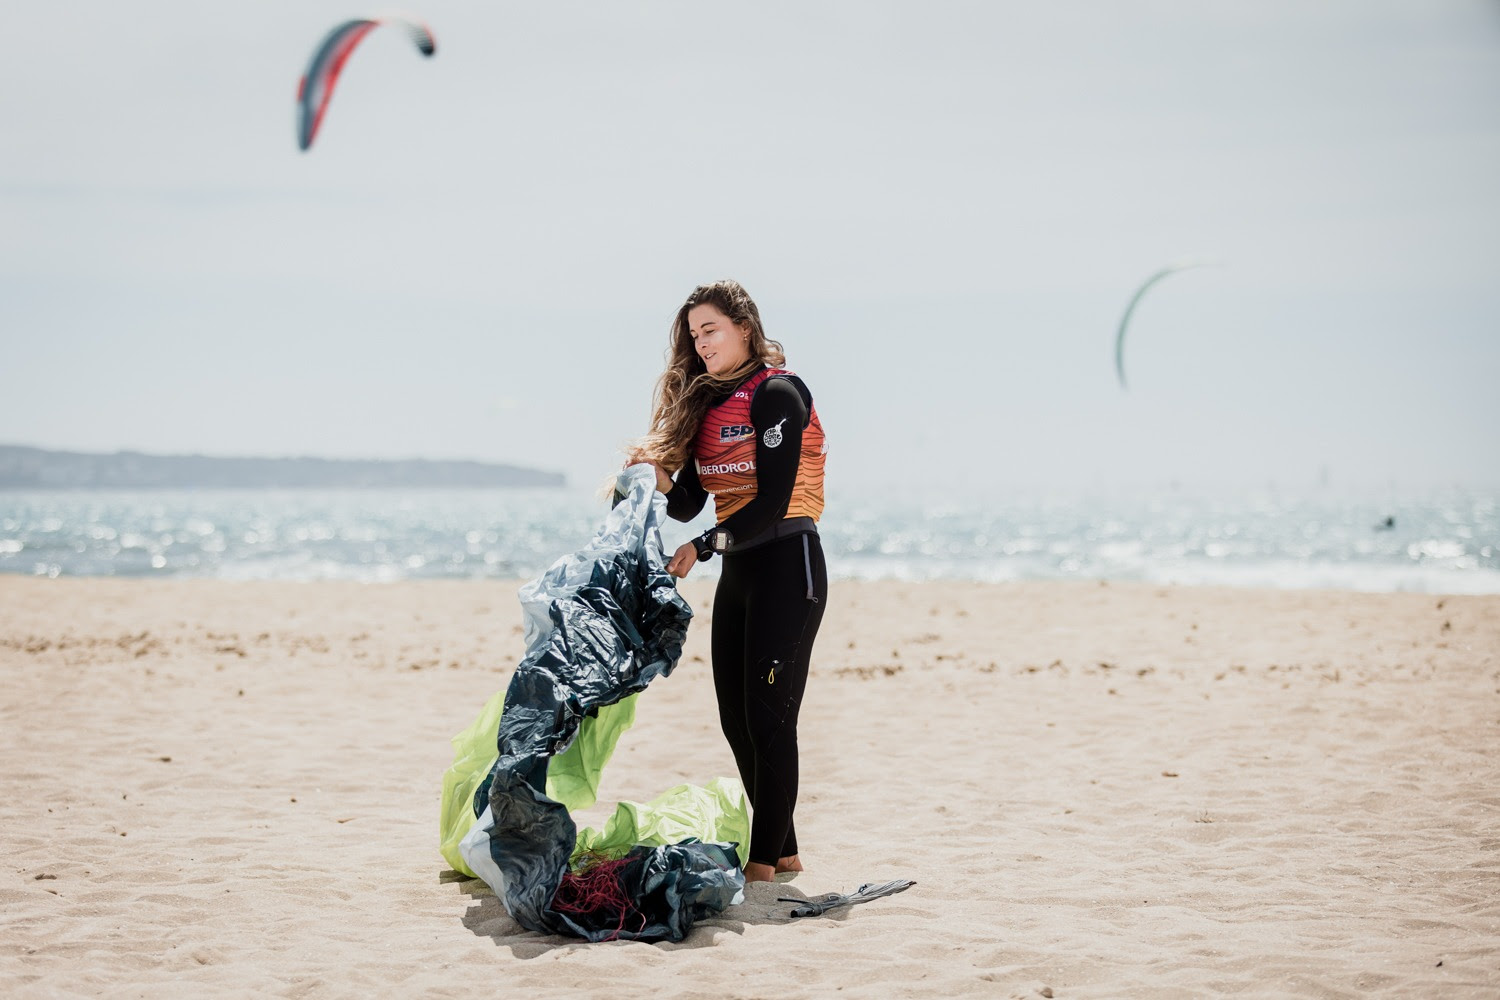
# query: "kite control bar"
822,904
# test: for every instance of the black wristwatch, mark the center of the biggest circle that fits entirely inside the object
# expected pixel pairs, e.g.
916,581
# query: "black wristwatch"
711,541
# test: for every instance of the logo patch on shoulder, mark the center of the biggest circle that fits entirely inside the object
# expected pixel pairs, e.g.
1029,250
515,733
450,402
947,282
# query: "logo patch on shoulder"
772,436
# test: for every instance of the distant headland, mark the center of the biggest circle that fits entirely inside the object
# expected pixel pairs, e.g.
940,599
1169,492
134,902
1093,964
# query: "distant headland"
37,468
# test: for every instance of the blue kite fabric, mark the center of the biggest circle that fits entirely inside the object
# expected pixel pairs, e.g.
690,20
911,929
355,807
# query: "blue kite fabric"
601,624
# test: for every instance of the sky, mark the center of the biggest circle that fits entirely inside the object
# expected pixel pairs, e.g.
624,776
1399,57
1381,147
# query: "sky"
941,209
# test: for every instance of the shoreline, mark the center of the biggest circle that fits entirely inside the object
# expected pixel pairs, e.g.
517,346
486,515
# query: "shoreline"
1102,789
1314,578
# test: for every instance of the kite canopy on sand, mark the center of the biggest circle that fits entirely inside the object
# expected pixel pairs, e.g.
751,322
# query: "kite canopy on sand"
316,88
1135,299
601,625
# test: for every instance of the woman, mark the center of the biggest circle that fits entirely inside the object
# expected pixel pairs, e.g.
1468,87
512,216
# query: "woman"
730,421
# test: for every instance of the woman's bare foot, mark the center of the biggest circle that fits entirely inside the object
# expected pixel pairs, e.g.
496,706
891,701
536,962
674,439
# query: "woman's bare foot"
757,872
790,863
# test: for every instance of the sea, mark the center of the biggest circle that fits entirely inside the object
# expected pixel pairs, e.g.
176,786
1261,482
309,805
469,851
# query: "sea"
1446,543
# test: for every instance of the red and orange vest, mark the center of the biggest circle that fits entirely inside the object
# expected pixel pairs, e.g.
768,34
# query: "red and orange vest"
725,453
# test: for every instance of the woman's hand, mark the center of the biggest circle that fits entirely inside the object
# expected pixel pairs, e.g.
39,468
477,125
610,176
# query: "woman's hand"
664,482
683,560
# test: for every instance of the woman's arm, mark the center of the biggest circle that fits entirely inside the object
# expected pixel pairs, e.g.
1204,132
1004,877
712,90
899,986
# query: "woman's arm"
687,496
777,408
778,404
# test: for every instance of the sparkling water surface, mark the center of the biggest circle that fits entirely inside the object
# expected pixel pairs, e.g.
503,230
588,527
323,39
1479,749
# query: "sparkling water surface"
1447,543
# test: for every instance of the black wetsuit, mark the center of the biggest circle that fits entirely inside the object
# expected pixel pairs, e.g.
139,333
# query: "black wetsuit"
766,613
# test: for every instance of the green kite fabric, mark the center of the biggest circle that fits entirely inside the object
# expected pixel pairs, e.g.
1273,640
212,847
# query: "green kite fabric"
572,776
718,813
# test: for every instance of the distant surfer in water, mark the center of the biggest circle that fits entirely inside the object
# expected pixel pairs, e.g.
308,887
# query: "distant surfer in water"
730,421
1386,525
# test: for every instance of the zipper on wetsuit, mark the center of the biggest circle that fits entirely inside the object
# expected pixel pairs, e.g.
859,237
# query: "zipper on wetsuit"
807,565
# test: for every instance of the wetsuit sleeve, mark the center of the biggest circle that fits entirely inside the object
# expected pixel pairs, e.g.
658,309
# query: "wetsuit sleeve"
687,495
778,403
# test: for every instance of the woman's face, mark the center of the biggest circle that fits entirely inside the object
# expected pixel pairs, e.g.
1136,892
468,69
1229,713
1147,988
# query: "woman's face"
721,344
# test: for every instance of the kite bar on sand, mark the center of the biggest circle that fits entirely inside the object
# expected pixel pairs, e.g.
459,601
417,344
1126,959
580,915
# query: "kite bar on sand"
822,904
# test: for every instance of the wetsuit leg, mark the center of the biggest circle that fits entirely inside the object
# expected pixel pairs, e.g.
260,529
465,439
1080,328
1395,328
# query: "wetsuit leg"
773,622
728,654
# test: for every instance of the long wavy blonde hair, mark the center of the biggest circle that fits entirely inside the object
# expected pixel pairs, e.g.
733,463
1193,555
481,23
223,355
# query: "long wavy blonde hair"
686,389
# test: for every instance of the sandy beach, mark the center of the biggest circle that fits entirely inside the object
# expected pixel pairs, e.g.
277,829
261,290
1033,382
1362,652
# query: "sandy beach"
1101,790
